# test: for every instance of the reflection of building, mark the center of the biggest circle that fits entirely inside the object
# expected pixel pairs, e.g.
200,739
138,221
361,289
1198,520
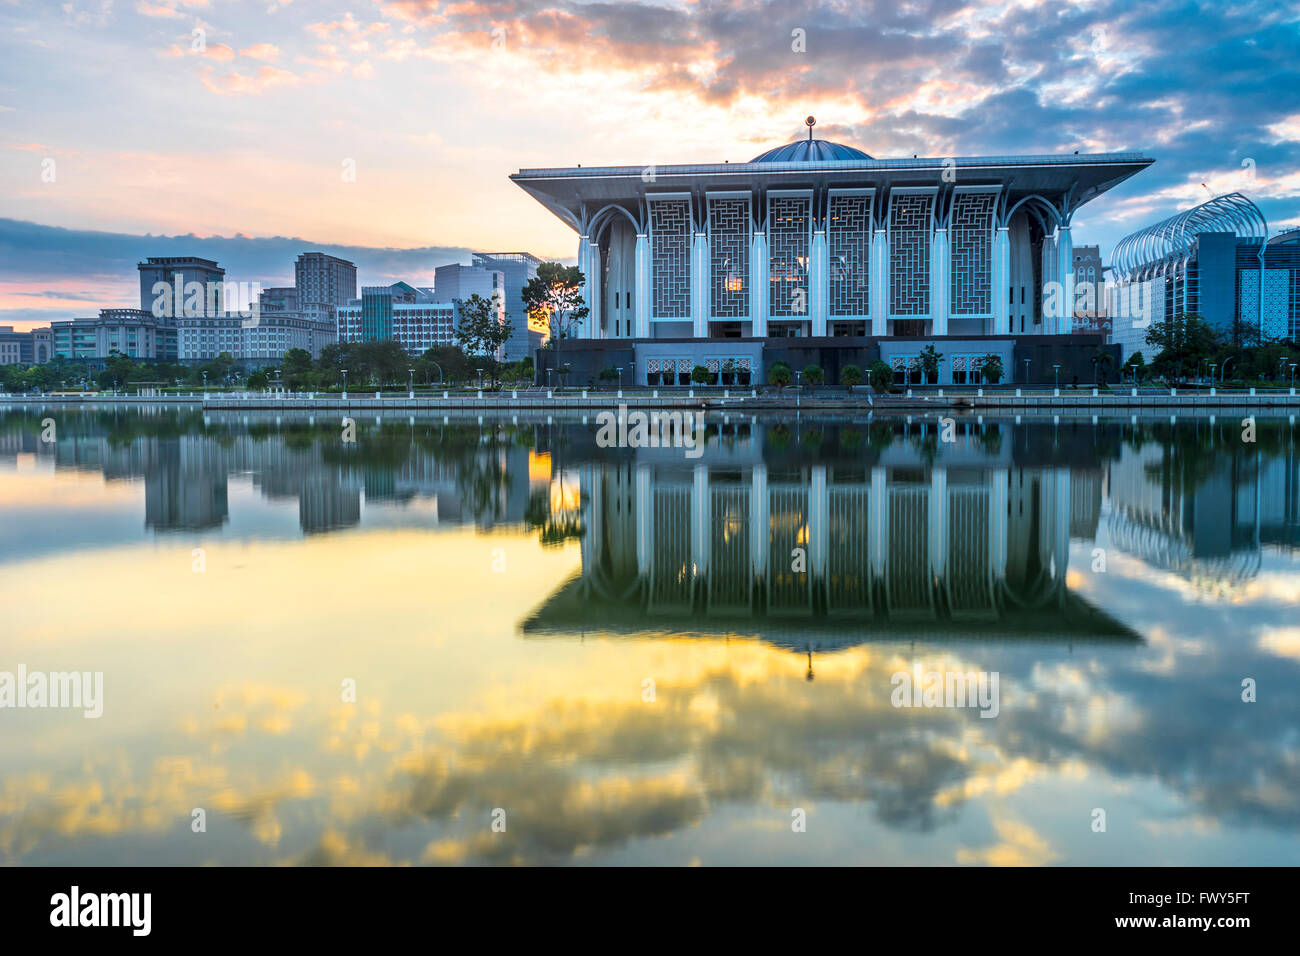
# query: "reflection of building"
826,556
1206,519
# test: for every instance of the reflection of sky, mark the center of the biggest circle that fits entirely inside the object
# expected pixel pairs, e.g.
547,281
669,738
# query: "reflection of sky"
223,692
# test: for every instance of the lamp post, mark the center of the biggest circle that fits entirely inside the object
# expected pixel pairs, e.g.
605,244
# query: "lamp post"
1213,366
480,377
410,382
798,384
1292,367
205,382
345,382
619,369
1224,369
1026,371
1056,369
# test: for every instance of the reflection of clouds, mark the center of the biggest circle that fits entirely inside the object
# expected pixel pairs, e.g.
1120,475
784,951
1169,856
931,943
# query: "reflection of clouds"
1020,846
731,726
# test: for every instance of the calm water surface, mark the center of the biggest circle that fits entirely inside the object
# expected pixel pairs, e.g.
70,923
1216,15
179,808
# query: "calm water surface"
642,657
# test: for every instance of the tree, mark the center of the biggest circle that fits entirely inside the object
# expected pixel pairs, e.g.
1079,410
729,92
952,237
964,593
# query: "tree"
813,374
991,369
297,362
554,296
881,376
850,375
778,374
1184,341
1101,361
258,381
481,331
929,361
700,375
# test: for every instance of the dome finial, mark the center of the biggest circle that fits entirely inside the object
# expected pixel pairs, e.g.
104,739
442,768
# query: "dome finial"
810,121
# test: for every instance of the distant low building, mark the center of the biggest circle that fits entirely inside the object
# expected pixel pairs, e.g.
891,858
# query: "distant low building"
34,347
1090,315
136,333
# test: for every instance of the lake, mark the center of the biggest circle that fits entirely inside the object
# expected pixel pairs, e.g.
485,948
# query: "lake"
463,640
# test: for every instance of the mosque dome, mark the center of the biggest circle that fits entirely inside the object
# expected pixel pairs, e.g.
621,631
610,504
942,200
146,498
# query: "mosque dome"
809,151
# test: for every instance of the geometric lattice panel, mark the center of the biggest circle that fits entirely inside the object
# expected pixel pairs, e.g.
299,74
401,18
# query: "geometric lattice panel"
670,258
788,224
1276,320
909,254
848,239
729,236
971,239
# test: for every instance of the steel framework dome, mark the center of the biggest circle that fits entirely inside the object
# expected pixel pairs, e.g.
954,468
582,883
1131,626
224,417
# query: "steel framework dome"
1172,241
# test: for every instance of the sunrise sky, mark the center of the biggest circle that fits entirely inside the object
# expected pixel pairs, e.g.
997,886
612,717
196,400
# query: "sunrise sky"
240,133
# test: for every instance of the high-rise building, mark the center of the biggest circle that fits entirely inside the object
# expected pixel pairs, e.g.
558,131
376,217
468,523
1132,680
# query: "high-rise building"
1207,261
400,312
323,283
178,272
517,268
456,283
278,299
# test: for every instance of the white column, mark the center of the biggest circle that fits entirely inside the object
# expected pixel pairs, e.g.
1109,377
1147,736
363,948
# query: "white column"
1051,262
596,318
819,522
645,524
880,283
760,529
700,524
641,314
1001,281
878,531
819,283
589,330
940,267
760,289
998,524
700,304
1065,253
938,512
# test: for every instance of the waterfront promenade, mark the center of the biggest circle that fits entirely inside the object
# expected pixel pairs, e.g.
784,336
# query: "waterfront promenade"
1009,400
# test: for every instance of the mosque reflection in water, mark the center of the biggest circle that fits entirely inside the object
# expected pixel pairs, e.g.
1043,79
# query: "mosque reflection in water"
815,534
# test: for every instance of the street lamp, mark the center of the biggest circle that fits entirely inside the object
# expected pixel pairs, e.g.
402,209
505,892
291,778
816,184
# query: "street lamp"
1292,366
410,381
1026,371
205,381
345,382
1056,369
619,369
798,384
480,377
